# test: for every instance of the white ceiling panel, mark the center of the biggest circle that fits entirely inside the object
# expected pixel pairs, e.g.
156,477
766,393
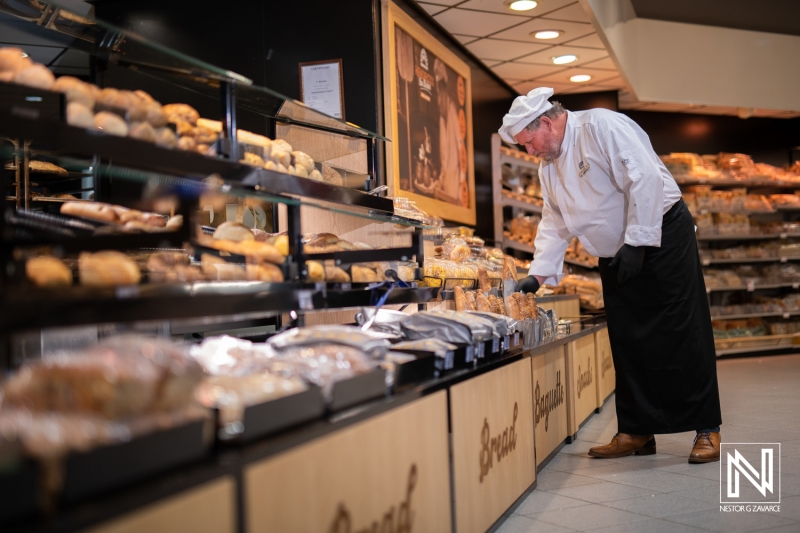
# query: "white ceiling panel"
589,41
522,71
475,22
503,50
499,6
570,30
563,76
432,9
573,12
605,63
464,39
544,57
527,86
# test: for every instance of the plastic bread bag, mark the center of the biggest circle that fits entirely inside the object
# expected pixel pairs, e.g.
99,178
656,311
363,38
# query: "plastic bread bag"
373,344
427,326
390,363
482,328
229,356
436,346
118,378
503,325
322,364
386,321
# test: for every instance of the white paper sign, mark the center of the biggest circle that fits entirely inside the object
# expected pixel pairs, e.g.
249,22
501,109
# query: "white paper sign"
322,88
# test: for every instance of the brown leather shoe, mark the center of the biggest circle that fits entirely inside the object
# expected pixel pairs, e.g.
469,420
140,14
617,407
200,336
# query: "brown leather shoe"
623,445
706,447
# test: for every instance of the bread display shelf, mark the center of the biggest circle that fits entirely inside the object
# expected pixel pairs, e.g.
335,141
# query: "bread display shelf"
527,206
72,306
708,261
522,247
745,236
785,314
756,344
793,285
135,154
515,157
683,180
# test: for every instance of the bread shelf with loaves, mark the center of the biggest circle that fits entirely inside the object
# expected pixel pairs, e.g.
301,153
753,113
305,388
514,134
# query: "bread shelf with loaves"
745,213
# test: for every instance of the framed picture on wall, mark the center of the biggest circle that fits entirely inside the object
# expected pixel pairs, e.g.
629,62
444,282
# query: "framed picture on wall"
322,88
428,103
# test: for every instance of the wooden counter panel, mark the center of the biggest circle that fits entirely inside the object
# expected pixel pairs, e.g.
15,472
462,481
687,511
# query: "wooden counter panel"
606,375
581,381
387,473
549,401
493,446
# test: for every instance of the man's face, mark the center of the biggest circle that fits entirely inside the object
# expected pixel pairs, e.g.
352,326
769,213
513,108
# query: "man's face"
543,142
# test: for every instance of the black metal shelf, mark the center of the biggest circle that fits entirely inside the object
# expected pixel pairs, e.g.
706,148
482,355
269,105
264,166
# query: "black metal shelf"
72,306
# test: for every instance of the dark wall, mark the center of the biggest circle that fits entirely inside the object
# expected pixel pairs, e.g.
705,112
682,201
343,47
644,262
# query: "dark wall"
768,140
263,41
583,101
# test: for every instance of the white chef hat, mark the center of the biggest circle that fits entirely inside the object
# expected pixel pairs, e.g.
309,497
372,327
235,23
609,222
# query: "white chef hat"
523,111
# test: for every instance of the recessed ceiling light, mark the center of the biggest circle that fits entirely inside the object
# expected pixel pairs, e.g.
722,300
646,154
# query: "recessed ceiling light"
580,78
563,60
546,34
522,5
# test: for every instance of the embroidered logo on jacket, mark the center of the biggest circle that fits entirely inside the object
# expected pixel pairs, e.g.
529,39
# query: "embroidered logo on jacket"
583,168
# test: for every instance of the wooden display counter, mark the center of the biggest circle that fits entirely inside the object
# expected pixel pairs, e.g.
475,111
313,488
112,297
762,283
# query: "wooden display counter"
386,473
606,375
581,382
549,402
493,444
565,305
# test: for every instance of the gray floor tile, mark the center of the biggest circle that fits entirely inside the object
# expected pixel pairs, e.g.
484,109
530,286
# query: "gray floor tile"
579,447
650,479
603,492
715,520
709,493
553,479
596,435
663,505
589,516
652,525
541,501
791,528
569,463
682,466
523,524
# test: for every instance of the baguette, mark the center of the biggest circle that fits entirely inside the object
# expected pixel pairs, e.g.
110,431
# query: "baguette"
93,210
460,298
483,280
482,303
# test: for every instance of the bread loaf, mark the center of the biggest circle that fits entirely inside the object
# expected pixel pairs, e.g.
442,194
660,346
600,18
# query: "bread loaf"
143,131
483,280
155,115
79,115
107,269
264,272
216,268
92,210
512,308
482,303
470,296
111,123
460,298
165,137
233,231
501,306
36,75
532,303
181,112
316,272
329,175
524,309
187,143
48,271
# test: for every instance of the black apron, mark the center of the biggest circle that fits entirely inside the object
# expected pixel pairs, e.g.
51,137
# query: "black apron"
662,343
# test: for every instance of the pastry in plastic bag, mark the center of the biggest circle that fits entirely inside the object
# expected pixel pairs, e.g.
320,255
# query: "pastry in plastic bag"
322,364
370,343
437,346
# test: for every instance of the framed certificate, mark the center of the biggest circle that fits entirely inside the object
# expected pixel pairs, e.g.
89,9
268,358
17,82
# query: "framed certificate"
321,87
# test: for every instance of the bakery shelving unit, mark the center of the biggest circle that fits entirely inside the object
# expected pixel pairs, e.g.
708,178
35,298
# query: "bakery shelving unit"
749,289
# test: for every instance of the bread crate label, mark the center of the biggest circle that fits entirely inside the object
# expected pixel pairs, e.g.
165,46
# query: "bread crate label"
495,345
470,353
481,350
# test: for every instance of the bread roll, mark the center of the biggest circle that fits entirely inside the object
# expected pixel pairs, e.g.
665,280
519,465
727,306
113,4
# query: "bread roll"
110,123
7,76
13,60
184,128
92,210
280,144
280,156
300,172
216,268
302,159
329,175
178,112
233,231
483,280
460,298
79,115
259,251
316,272
165,137
206,136
186,143
145,97
277,167
336,275
174,223
142,131
482,303
155,115
362,274
75,90
162,266
37,76
512,308
264,272
48,271
252,159
315,175
107,269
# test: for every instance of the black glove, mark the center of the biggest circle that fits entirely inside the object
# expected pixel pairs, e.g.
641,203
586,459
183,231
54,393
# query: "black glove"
527,284
629,259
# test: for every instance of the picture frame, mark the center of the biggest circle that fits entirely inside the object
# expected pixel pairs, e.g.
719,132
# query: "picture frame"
319,83
428,117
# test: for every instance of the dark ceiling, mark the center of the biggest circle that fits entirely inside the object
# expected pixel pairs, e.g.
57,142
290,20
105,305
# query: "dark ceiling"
772,16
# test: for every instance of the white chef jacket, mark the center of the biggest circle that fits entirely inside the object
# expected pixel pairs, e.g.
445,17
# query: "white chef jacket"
608,188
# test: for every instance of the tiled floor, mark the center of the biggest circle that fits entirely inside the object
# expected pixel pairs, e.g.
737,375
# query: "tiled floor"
663,493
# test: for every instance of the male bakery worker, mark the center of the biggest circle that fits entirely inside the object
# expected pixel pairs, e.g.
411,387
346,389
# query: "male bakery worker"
602,182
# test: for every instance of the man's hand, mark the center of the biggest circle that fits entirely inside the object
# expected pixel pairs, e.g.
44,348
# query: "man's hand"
629,259
528,284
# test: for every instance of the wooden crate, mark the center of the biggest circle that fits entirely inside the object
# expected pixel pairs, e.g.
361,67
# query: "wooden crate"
493,444
209,508
379,474
549,401
581,381
606,375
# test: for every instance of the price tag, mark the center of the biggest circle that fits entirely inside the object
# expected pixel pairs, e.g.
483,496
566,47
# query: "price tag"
751,285
495,345
784,259
127,291
470,353
516,338
506,342
305,301
449,360
346,286
783,235
481,350
320,286
796,285
786,315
